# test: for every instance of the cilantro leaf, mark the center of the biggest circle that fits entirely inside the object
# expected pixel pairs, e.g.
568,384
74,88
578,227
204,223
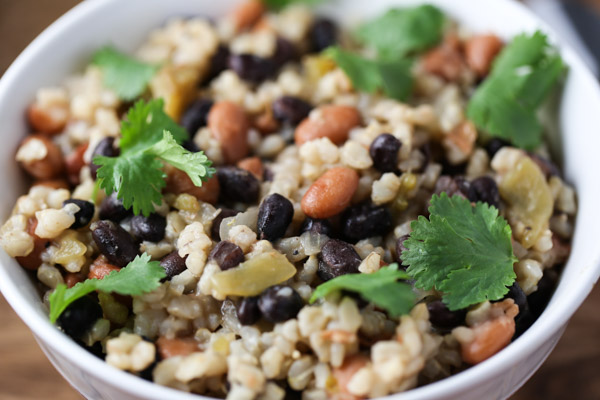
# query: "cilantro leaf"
463,251
195,165
400,32
125,75
137,178
394,78
149,138
145,125
381,288
279,4
522,76
138,277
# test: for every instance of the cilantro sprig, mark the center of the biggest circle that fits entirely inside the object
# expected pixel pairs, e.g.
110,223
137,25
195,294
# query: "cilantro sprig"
138,277
125,75
382,288
279,4
464,251
394,77
522,76
403,31
149,139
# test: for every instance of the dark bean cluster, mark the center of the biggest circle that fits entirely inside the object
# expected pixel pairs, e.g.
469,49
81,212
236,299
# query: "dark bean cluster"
238,185
276,304
337,258
114,243
274,216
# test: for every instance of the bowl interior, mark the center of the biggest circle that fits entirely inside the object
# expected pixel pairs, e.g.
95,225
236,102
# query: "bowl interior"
66,47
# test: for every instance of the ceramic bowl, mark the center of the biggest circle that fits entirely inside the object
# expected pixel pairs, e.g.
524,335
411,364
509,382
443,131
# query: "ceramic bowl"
66,46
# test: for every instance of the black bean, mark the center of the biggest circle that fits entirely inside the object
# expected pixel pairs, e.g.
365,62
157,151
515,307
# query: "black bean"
114,242
247,311
516,293
252,68
279,303
85,213
80,316
545,288
173,264
324,33
218,63
274,216
290,109
228,255
285,51
441,317
365,220
96,349
112,209
548,167
337,258
189,145
216,223
484,189
494,145
238,185
195,116
151,228
106,148
320,226
384,152
400,247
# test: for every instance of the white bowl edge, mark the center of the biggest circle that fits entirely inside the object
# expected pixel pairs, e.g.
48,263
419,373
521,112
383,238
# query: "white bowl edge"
547,326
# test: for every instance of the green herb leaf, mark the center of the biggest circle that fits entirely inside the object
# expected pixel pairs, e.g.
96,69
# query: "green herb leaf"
394,78
145,124
137,178
522,76
125,75
463,251
381,288
400,32
149,138
279,4
195,165
138,277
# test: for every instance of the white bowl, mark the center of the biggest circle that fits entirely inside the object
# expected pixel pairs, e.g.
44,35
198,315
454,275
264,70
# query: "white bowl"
66,46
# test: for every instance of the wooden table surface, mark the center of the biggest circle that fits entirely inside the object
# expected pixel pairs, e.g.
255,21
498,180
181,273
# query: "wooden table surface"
571,372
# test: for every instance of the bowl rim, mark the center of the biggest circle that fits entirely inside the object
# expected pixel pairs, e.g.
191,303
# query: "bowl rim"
542,330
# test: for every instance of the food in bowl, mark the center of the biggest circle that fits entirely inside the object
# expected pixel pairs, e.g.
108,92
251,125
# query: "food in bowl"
270,204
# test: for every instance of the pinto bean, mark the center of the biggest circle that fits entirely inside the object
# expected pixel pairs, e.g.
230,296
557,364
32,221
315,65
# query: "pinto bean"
179,182
100,268
253,165
331,193
331,121
72,279
34,259
343,374
175,347
74,162
246,14
40,157
445,60
229,124
490,337
480,52
50,120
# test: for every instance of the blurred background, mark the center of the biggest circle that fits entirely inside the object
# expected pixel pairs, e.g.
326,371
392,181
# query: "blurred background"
571,372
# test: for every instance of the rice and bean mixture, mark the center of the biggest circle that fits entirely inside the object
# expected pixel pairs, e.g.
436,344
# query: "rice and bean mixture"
315,180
